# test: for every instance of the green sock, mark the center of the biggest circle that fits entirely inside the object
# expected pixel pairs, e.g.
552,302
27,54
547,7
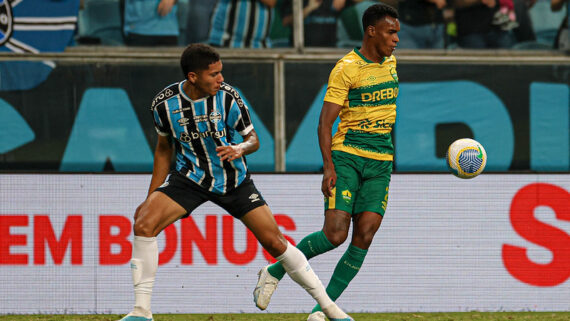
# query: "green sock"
312,245
345,270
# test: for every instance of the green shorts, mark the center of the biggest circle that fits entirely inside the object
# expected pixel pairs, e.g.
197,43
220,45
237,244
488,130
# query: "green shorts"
362,184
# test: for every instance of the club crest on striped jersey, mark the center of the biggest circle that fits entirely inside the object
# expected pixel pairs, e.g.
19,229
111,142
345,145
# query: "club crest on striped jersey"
215,117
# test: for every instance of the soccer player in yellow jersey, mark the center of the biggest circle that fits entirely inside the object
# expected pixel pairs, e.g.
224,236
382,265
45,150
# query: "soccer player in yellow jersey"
362,90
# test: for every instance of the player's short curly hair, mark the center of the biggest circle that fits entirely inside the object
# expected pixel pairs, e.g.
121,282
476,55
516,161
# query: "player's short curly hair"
196,57
377,12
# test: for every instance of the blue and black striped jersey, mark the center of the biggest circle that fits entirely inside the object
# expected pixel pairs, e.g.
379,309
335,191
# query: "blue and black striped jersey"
198,127
240,24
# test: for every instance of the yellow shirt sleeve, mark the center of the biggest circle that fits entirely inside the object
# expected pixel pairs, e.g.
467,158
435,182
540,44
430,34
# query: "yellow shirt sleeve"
339,83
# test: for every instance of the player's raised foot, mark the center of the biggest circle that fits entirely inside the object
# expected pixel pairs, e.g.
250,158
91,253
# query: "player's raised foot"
266,285
334,313
317,316
138,314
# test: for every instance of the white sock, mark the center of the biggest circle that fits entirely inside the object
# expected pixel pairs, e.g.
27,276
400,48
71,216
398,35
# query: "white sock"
298,268
143,268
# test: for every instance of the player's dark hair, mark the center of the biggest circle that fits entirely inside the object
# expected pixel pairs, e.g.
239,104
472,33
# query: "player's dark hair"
196,57
377,12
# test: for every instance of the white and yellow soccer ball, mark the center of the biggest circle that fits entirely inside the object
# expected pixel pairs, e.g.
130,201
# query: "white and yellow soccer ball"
466,158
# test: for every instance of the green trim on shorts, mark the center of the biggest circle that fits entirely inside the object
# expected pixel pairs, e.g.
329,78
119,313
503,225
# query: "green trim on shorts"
362,184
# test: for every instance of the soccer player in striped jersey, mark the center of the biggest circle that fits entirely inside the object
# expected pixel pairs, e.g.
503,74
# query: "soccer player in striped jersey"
196,119
241,23
357,161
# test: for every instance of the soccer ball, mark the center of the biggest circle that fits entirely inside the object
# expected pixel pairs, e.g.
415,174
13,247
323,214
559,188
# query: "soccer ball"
466,158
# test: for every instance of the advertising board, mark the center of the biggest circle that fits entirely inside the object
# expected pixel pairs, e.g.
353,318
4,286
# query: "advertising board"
499,242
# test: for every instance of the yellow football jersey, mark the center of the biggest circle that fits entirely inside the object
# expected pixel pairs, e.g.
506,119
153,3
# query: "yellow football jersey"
367,92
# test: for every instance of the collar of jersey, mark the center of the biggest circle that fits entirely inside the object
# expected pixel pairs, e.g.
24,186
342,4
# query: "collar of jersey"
357,50
183,93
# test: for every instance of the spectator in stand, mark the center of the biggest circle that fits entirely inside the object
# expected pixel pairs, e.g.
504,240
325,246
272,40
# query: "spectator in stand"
241,24
198,23
505,17
150,22
320,18
524,32
421,24
475,29
349,30
280,35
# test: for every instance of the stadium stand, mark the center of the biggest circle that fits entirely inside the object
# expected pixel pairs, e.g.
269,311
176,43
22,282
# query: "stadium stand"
182,13
99,22
545,23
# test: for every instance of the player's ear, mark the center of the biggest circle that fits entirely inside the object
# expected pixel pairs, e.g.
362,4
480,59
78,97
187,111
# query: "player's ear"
370,31
192,76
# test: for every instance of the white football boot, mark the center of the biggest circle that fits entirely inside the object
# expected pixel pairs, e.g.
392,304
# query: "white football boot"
266,285
317,316
138,314
334,313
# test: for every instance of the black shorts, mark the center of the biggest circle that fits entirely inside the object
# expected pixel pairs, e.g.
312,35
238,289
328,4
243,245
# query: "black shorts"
190,195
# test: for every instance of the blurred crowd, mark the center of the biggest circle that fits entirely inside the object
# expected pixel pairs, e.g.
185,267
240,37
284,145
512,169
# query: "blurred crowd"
425,24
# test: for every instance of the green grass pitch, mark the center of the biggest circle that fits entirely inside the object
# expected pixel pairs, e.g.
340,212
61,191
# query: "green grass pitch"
450,316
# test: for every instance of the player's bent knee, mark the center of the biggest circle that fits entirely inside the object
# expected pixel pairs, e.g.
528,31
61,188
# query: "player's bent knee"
274,245
143,228
336,237
145,225
363,240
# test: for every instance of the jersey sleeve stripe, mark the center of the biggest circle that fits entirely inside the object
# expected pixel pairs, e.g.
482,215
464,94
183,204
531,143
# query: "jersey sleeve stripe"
227,104
161,119
247,130
161,133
